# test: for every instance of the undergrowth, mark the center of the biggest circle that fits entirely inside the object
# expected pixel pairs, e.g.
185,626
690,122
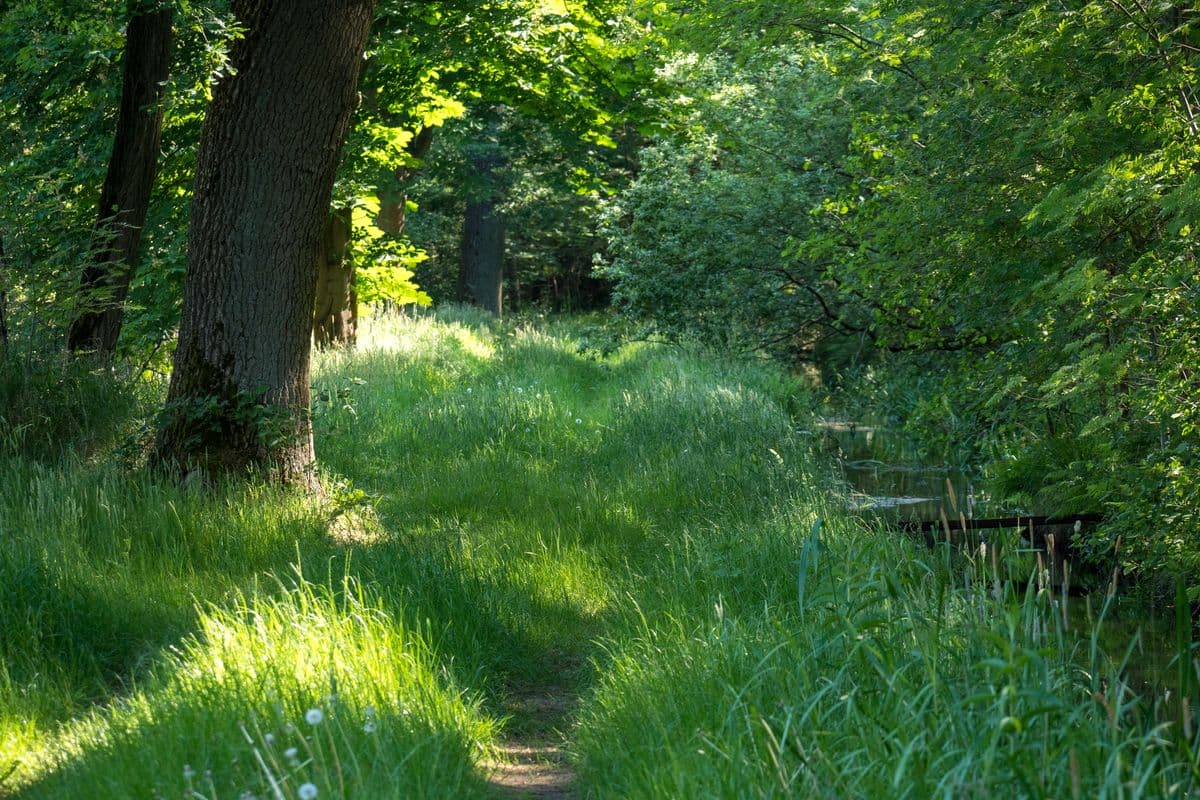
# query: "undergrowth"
507,510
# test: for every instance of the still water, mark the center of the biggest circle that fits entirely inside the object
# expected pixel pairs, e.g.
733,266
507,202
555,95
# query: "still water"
888,477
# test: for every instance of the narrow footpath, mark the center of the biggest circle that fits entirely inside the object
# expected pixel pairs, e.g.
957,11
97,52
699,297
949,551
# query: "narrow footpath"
533,761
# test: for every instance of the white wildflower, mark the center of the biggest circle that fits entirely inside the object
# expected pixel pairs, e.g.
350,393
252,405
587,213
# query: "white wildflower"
314,716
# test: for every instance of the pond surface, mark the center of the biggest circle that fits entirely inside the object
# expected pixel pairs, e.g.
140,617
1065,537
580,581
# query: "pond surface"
888,477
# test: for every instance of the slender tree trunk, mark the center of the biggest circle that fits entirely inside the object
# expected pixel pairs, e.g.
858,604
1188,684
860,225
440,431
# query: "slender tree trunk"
392,212
3,298
336,318
125,196
239,393
481,275
335,321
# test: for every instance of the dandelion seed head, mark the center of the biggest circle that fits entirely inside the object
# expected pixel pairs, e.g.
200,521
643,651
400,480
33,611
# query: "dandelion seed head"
188,772
578,421
307,791
269,739
314,716
290,754
369,726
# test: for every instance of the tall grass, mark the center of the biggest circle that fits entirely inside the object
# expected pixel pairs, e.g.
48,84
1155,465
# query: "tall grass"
507,515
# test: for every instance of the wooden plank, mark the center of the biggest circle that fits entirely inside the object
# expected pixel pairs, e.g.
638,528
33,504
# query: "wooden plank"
993,523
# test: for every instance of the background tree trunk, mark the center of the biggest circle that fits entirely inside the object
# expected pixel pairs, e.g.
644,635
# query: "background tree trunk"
393,209
3,298
481,279
239,393
481,275
336,319
125,196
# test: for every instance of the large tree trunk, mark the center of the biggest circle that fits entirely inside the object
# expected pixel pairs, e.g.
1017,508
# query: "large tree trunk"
125,196
336,318
239,393
481,273
481,279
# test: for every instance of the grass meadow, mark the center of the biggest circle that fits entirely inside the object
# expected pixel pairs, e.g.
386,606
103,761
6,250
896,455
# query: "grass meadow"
644,535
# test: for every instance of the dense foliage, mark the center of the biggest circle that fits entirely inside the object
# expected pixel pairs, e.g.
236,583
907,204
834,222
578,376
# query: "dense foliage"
1001,195
976,220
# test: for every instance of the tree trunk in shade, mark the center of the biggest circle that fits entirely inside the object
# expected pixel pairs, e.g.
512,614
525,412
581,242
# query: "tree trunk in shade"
125,196
481,280
3,298
269,150
336,319
481,274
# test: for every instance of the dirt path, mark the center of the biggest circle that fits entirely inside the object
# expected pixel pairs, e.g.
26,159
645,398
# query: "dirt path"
533,762
536,772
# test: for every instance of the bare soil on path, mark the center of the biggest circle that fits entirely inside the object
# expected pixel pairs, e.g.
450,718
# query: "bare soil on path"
533,762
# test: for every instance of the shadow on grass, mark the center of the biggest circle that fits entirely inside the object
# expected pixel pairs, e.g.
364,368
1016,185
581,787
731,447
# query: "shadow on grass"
510,531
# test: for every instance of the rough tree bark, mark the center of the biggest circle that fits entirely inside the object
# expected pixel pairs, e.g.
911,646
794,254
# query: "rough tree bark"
336,319
239,393
481,273
125,196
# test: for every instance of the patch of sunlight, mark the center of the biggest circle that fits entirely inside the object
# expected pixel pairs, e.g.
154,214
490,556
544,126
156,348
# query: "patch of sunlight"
630,351
556,8
560,573
472,343
357,526
389,332
328,655
18,739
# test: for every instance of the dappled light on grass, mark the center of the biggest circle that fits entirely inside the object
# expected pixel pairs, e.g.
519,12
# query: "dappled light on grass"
423,333
312,687
630,549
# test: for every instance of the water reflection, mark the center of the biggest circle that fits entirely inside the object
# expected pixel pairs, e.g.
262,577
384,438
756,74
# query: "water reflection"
890,477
